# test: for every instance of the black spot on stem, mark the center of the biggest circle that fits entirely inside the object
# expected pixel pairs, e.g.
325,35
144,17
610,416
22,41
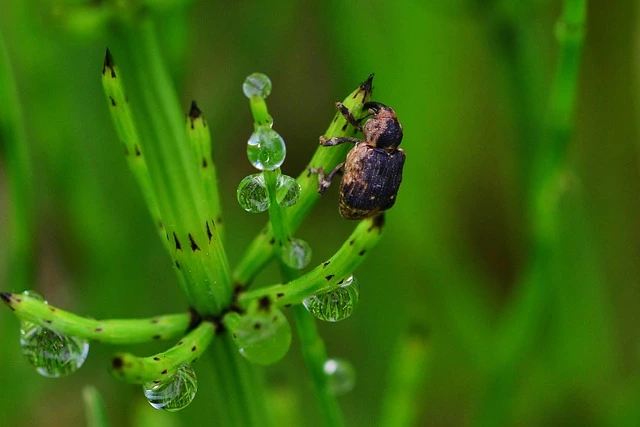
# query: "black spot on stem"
98,329
138,152
157,337
177,265
117,363
113,101
204,162
378,222
257,326
48,321
109,64
194,111
264,303
165,372
177,242
324,264
280,294
362,252
194,245
329,277
209,234
6,297
193,348
351,242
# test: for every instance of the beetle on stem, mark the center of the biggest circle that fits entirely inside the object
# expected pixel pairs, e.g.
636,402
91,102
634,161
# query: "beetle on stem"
372,171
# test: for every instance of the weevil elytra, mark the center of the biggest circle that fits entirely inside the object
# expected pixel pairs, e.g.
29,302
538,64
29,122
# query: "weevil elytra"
372,171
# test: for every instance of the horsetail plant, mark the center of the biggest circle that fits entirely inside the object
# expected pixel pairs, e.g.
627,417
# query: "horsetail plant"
173,165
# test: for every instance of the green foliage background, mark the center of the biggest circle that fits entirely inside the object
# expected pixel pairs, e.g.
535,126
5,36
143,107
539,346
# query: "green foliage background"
470,81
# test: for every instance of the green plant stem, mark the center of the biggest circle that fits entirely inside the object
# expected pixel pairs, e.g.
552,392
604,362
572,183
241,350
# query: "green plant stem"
20,269
261,251
200,139
123,120
312,346
315,355
140,370
96,413
112,331
523,322
328,275
243,400
406,376
197,250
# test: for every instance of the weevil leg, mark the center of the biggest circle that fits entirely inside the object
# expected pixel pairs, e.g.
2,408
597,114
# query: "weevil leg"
325,181
348,116
337,140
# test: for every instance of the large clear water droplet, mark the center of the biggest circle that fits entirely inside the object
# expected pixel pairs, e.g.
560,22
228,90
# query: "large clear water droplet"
337,304
174,393
252,193
266,149
296,253
341,377
256,84
34,294
287,190
51,353
263,335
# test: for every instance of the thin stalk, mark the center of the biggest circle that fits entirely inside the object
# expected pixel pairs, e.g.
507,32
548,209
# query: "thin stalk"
523,322
326,276
315,355
260,252
140,370
111,331
196,247
200,138
407,373
96,413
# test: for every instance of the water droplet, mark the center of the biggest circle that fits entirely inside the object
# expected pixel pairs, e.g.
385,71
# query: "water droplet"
252,193
257,84
296,253
341,377
51,353
174,393
263,335
337,304
34,294
287,190
266,149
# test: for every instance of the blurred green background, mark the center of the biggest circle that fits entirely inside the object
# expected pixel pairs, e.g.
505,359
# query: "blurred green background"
470,81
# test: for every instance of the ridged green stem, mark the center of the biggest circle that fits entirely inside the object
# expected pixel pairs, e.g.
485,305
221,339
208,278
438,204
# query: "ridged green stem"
328,275
140,370
111,331
261,251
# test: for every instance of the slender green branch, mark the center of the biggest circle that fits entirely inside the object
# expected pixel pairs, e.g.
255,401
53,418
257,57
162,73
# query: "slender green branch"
315,355
328,275
112,331
125,126
196,247
140,370
96,413
200,139
261,249
406,376
20,269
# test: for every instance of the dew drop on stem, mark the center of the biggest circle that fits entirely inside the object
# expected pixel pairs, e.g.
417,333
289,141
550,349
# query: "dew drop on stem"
337,304
252,194
266,149
257,84
51,353
263,335
340,376
296,253
287,190
174,393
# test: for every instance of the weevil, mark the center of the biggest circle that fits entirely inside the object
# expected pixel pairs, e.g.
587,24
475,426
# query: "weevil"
372,171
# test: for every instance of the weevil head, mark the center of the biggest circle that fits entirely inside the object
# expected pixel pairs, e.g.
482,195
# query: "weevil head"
382,130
